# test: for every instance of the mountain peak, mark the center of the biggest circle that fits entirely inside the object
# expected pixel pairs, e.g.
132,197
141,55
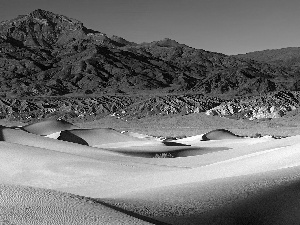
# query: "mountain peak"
42,28
167,42
51,54
41,14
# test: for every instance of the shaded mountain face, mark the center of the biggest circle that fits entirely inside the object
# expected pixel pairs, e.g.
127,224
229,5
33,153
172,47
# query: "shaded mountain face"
45,54
289,58
285,56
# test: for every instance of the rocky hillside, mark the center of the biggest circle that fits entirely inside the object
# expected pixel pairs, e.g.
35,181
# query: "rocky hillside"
67,108
169,104
90,108
52,65
273,105
287,57
45,54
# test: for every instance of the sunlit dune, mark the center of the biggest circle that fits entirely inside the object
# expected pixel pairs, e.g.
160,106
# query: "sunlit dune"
48,126
265,198
27,205
219,134
97,136
225,179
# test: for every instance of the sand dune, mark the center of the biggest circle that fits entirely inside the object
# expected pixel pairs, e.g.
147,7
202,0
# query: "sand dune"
226,180
97,136
219,134
232,162
92,176
138,135
122,143
48,126
260,199
26,205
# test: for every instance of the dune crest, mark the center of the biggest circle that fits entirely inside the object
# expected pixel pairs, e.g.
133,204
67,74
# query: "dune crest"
48,126
27,205
219,134
97,136
221,180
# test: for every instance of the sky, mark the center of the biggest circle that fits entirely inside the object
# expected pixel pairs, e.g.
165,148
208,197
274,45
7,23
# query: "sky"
224,26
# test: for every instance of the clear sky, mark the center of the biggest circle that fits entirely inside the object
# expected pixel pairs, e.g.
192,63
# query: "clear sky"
225,26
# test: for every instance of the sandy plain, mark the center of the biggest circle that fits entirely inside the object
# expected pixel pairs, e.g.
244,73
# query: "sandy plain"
55,172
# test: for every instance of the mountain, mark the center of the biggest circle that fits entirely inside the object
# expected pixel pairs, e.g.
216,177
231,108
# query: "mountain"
285,57
45,54
271,105
54,66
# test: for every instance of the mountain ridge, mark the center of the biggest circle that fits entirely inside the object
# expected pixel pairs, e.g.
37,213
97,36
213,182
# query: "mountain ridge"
288,57
52,65
45,54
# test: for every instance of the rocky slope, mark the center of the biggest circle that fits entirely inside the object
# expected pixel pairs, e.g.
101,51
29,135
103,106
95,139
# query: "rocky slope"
45,54
68,108
90,108
287,57
76,109
52,65
273,105
169,104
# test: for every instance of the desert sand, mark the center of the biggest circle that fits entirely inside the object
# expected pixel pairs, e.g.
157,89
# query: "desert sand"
53,172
